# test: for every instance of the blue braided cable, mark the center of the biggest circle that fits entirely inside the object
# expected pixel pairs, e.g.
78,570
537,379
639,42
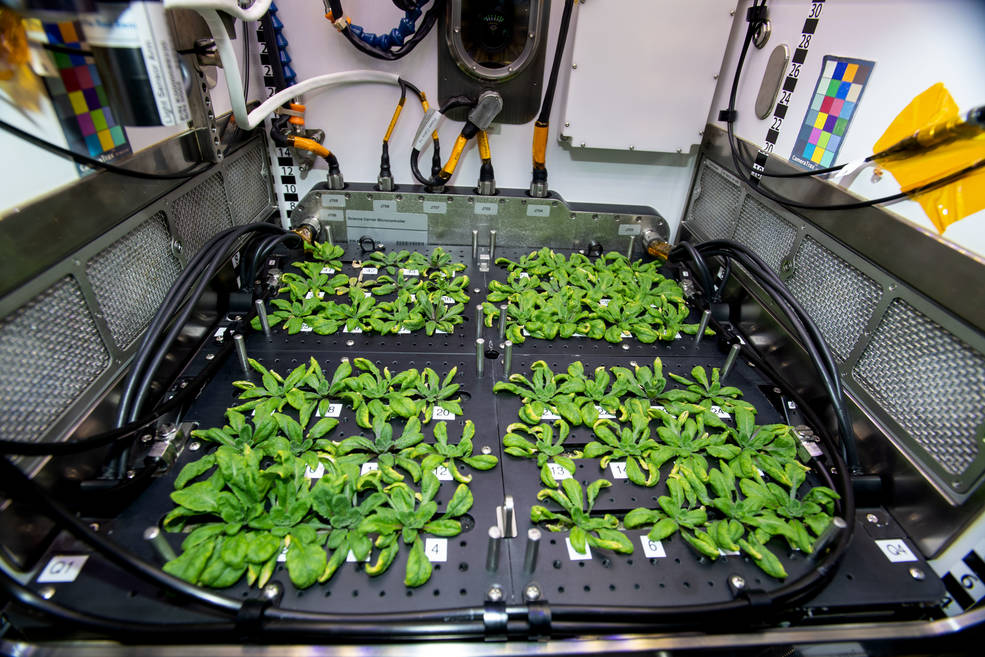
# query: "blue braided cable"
396,36
281,43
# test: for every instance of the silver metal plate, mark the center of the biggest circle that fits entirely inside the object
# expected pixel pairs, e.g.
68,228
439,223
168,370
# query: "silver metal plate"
772,77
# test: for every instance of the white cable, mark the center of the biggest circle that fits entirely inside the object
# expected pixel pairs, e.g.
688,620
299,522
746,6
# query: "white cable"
230,65
231,7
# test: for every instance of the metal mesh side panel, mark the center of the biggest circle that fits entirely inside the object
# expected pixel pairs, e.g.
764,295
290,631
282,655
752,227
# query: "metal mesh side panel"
248,187
131,277
201,213
929,381
715,203
837,296
50,352
764,232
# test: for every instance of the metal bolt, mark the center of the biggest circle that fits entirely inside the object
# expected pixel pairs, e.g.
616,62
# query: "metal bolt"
530,552
567,124
507,358
632,148
503,308
194,446
625,347
94,526
47,592
272,591
350,342
738,582
917,574
495,593
632,244
486,449
131,474
705,318
244,361
531,592
154,536
492,245
492,549
574,66
480,357
475,244
733,354
262,314
328,232
209,356
872,518
478,321
146,438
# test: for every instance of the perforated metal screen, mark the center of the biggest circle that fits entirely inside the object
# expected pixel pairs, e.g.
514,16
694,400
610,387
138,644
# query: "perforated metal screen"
51,351
201,213
837,296
249,189
132,276
929,381
715,203
763,231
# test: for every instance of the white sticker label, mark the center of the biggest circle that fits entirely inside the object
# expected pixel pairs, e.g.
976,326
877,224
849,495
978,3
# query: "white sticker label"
62,568
538,210
618,469
355,330
315,474
487,208
443,473
333,215
728,553
549,414
558,471
440,332
351,557
220,333
604,414
327,270
403,331
717,410
812,447
658,408
282,557
305,328
523,274
652,549
410,272
321,295
435,207
896,550
333,410
385,206
604,302
332,201
575,555
629,229
370,271
791,405
370,466
436,549
441,414
431,120
447,300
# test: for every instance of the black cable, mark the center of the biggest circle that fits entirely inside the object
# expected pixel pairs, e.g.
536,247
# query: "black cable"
427,23
246,61
66,50
273,52
562,37
704,274
97,164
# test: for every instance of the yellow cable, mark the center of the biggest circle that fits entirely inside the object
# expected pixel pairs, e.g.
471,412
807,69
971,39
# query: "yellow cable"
393,121
456,154
305,144
483,139
540,144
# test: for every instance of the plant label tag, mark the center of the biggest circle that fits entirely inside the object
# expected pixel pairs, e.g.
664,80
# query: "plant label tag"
677,336
410,272
351,558
447,300
577,335
658,408
812,447
558,471
523,274
315,474
604,414
721,413
604,302
443,473
358,329
219,334
526,332
629,229
282,557
618,469
441,414
573,554
333,410
436,549
440,332
370,271
367,294
652,549
403,331
62,568
327,270
791,405
627,334
728,553
305,328
896,550
369,466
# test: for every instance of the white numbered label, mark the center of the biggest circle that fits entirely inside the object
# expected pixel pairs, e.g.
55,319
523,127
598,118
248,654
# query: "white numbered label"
441,414
558,471
652,549
618,469
523,274
410,272
487,208
791,405
604,414
305,328
315,474
403,331
355,330
327,270
370,271
370,466
443,473
220,333
896,550
538,210
282,557
309,295
333,410
435,207
447,300
384,206
720,412
436,549
728,553
573,554
604,302
351,557
62,568
549,414
812,447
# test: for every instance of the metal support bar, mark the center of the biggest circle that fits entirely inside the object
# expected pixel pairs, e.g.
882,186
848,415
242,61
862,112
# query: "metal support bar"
733,354
264,321
507,358
480,357
492,550
492,246
705,318
244,361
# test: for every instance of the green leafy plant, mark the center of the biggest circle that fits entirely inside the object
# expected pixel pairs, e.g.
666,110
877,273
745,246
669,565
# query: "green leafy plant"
439,285
388,261
352,316
543,448
389,452
536,393
642,381
632,444
330,255
435,392
439,316
376,392
585,396
402,313
441,453
403,519
293,314
322,390
585,529
439,260
674,513
272,393
398,282
707,391
516,283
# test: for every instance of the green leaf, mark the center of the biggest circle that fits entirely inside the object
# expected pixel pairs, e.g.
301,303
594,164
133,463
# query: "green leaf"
611,539
763,558
305,563
323,427
481,461
662,529
190,564
201,497
193,470
578,538
592,492
640,517
460,502
418,567
443,527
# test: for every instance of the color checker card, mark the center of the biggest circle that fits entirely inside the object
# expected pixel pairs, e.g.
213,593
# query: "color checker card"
834,104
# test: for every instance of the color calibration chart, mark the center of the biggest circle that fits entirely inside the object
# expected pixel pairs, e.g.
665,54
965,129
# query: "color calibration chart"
80,98
835,101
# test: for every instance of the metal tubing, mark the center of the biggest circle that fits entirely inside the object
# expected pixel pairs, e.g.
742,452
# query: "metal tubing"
530,553
492,246
705,318
733,354
262,314
244,361
492,550
478,321
475,244
632,245
154,536
328,234
503,308
507,358
508,519
480,357
830,533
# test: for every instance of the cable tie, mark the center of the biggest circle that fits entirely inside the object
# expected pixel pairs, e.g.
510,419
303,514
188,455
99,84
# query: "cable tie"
727,115
756,14
289,112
